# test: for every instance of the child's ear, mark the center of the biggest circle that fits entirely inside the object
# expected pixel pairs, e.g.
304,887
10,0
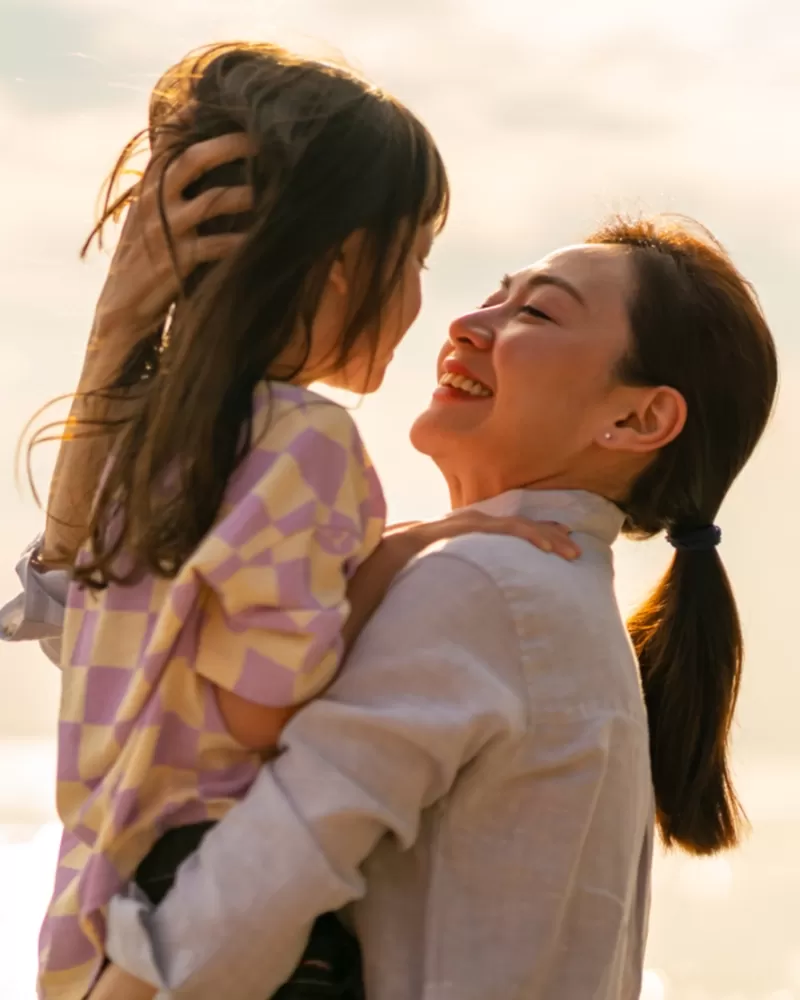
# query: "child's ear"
345,266
338,277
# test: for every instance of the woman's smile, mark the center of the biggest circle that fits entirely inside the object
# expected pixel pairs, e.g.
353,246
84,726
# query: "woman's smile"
458,384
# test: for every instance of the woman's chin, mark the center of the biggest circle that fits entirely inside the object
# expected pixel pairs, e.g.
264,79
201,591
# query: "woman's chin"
424,433
435,430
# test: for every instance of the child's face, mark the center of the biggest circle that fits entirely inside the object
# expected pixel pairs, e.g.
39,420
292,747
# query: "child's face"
367,365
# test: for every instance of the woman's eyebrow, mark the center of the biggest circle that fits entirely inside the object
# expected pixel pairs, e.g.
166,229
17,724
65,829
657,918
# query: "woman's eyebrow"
537,280
543,278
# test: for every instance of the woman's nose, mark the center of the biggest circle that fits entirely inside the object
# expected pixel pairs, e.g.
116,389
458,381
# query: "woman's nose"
475,329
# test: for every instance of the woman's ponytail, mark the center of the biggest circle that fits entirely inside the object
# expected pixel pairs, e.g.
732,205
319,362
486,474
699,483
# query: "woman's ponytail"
697,328
689,644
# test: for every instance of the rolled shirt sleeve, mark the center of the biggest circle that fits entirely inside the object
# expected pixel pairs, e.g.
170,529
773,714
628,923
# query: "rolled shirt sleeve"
425,689
37,613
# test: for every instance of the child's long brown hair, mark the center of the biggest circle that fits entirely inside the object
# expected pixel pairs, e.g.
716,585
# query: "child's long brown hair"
331,155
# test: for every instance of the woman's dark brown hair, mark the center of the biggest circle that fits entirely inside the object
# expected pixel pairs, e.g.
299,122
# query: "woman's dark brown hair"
331,156
696,326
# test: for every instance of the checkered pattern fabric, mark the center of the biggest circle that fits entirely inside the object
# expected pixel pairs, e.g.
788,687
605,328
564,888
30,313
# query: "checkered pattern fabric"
257,610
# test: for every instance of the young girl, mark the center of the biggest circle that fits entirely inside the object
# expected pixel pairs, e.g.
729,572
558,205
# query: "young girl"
235,544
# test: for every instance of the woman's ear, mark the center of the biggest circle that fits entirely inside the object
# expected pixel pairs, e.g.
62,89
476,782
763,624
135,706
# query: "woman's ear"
652,417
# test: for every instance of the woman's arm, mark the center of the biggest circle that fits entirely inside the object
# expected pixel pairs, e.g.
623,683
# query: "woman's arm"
368,587
426,688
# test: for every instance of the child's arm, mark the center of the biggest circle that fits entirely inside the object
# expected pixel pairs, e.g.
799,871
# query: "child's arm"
116,984
259,726
403,542
141,284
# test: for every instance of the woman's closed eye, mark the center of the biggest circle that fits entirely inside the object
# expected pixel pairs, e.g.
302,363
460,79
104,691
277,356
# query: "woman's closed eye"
537,313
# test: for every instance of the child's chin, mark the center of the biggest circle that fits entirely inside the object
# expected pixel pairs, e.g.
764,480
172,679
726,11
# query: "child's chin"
361,383
374,382
364,385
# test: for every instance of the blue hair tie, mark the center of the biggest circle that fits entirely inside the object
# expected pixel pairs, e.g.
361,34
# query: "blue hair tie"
695,539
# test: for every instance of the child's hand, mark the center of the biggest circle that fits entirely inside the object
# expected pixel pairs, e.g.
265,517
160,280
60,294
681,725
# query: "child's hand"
142,279
545,535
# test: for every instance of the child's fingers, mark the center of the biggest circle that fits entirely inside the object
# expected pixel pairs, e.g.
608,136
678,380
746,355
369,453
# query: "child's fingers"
201,157
211,204
559,540
547,536
206,250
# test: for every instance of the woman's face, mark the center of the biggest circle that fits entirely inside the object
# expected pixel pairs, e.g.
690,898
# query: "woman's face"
527,388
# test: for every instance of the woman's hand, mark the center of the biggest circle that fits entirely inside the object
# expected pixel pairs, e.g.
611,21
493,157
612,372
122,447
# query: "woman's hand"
114,984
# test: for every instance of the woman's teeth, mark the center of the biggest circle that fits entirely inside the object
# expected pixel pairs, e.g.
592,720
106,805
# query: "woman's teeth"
464,384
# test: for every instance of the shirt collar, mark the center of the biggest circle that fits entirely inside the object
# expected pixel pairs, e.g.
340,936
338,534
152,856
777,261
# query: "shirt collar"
577,510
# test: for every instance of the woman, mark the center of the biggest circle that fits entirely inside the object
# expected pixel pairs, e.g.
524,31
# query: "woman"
490,718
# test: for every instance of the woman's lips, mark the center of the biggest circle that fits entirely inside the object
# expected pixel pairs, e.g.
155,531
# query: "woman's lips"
451,393
457,382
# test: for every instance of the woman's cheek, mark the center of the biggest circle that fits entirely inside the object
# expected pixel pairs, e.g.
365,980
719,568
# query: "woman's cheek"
532,353
515,356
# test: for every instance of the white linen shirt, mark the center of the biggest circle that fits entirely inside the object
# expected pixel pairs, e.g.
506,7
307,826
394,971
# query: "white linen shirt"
475,788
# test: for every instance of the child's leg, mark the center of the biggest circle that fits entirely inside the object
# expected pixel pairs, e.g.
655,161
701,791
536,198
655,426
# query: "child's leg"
330,966
157,872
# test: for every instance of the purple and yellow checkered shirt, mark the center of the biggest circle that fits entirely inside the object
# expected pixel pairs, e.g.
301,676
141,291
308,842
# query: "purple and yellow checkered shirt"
257,610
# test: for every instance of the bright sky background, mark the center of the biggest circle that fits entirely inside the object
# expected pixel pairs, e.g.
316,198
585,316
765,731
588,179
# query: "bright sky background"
549,117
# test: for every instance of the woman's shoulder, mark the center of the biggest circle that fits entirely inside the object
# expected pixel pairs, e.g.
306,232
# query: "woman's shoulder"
528,578
478,573
498,558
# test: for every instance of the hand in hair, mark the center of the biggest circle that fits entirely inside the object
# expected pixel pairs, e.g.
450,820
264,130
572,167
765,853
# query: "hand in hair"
143,281
146,272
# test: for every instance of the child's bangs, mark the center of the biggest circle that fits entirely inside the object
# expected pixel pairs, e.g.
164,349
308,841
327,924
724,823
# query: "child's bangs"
435,203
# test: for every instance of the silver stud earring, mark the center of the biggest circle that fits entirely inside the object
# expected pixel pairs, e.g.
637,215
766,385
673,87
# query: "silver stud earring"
607,435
